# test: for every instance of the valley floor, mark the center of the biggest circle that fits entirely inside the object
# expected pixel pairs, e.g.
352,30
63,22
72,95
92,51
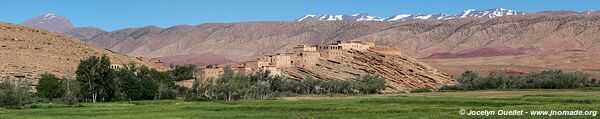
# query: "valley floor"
416,105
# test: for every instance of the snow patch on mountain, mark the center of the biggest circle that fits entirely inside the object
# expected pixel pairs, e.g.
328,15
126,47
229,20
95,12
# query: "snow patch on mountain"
489,13
328,17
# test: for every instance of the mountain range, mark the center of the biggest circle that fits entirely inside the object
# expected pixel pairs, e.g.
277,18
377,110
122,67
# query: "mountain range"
60,24
470,35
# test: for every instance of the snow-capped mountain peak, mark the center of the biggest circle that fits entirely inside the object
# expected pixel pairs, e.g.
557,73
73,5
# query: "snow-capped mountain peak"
488,13
399,17
328,17
466,12
592,12
50,22
307,16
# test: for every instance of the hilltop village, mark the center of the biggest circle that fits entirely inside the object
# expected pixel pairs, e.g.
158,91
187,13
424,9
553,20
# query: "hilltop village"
301,56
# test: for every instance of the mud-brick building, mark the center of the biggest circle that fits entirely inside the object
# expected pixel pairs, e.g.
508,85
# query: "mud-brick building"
217,71
256,64
242,70
355,45
305,56
331,51
280,59
305,48
210,72
272,70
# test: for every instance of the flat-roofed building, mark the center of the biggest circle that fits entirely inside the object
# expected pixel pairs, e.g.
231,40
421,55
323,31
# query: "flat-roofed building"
305,55
355,45
210,72
305,48
242,70
272,70
281,60
307,59
259,63
331,52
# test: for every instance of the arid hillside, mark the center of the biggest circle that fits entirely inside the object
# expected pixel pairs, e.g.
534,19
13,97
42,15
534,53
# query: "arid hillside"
537,33
568,60
542,37
199,60
27,52
478,52
402,73
235,41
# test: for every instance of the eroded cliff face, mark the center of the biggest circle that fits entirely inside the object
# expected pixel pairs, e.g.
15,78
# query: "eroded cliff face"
402,73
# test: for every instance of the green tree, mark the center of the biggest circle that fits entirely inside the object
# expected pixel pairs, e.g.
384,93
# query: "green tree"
71,91
96,79
311,85
162,82
370,83
49,87
183,72
148,82
468,77
129,84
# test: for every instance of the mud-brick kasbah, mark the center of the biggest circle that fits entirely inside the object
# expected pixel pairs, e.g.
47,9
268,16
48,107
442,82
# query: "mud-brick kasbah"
301,56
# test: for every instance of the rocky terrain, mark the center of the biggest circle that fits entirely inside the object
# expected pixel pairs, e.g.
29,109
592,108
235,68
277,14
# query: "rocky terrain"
480,33
28,52
402,73
418,38
537,35
478,52
235,41
199,60
84,32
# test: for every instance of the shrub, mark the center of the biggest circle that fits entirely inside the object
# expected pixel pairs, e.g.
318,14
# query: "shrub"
421,90
455,87
593,83
183,72
71,91
369,84
15,93
468,77
261,85
549,79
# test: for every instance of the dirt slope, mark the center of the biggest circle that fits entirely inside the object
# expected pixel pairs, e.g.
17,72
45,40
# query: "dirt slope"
28,52
402,72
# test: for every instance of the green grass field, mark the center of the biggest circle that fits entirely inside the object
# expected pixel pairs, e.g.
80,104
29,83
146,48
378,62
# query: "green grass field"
419,105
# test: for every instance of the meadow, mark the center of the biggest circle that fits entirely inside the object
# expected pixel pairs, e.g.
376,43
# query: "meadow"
414,105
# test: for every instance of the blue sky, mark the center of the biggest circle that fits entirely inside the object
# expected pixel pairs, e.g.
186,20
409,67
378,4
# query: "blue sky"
118,14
